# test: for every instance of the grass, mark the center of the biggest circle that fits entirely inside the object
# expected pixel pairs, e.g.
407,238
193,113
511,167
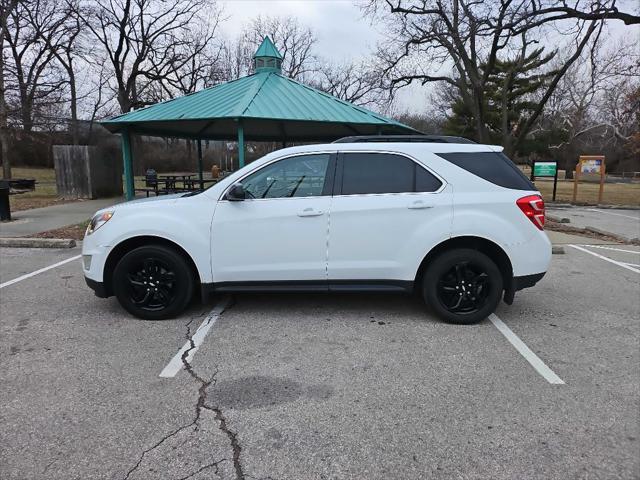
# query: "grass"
70,231
613,193
45,193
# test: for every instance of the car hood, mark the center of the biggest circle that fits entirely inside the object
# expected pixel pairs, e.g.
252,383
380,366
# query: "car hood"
157,201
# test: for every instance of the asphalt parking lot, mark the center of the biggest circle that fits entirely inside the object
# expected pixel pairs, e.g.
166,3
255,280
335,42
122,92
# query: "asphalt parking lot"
321,387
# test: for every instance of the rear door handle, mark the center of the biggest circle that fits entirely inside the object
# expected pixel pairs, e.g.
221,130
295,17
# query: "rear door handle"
310,212
418,204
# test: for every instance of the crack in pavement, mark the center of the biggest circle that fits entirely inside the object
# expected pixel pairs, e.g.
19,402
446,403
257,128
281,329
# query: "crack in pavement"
204,467
200,404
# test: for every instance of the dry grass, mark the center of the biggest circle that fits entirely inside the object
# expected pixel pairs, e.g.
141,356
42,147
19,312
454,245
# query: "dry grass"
45,193
70,231
613,194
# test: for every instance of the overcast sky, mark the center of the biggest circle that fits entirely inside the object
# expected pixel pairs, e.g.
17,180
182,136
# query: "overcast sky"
339,24
344,33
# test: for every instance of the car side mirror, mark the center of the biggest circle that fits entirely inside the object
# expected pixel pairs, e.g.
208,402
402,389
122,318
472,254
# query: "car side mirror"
236,193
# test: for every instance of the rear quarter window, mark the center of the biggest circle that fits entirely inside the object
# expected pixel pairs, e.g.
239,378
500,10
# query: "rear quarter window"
494,167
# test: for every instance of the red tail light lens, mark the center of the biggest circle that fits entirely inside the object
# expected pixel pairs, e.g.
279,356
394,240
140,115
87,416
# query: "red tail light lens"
533,207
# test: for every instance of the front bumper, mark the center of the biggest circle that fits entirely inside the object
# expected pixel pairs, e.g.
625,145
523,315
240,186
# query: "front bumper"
98,288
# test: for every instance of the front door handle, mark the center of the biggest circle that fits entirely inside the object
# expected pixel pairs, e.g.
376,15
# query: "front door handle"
310,212
418,204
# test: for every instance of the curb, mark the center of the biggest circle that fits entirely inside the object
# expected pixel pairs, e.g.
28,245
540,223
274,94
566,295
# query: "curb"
620,238
21,242
553,218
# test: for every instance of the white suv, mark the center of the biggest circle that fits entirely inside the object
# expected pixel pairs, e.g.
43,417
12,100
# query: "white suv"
457,222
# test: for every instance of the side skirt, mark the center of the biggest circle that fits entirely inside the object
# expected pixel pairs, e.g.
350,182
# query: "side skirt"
309,286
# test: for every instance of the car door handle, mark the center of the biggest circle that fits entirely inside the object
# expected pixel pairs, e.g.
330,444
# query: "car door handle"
418,204
310,212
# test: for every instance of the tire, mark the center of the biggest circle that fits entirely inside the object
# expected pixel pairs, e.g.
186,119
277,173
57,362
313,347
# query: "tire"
462,286
153,282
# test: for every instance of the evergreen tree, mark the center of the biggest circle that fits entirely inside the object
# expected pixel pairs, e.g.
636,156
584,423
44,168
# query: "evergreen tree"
510,98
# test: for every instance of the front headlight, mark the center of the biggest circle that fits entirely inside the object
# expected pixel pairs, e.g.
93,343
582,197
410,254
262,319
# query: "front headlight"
97,221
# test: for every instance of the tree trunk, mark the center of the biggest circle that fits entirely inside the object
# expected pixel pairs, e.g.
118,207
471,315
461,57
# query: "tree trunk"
74,106
5,134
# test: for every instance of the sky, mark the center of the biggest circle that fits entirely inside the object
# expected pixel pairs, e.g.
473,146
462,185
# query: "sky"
345,34
342,31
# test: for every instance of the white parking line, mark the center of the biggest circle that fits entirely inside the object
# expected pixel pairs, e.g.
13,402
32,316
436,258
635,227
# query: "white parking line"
176,364
548,374
612,248
611,213
615,262
37,272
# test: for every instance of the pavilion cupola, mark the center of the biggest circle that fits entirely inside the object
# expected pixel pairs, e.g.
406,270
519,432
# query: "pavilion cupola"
267,58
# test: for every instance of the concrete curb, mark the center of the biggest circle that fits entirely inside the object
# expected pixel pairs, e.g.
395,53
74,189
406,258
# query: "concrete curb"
21,242
620,238
553,218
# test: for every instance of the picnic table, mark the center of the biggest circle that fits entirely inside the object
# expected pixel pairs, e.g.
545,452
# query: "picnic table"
170,183
170,180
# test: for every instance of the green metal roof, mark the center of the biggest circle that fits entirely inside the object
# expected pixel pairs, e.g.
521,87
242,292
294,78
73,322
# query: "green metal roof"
267,49
270,106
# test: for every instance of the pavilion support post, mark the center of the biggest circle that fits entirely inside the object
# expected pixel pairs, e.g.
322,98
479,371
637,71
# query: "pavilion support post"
127,158
240,144
200,161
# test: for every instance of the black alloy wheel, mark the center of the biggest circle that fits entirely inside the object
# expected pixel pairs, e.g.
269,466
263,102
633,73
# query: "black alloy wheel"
463,286
153,282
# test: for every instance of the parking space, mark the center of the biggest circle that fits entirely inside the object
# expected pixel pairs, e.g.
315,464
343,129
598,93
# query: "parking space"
321,387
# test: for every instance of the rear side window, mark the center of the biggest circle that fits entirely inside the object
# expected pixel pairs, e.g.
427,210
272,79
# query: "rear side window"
365,173
494,167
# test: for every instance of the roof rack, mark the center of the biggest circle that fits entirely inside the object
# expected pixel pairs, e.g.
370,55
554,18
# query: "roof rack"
403,139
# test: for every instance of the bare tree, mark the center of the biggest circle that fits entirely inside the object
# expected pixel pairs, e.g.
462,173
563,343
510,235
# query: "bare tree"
6,7
592,95
62,40
33,76
360,84
140,38
192,63
460,42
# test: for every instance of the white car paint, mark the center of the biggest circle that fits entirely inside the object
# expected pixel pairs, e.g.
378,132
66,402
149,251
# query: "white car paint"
344,237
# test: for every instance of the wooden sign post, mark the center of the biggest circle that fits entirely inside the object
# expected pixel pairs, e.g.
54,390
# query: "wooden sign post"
589,164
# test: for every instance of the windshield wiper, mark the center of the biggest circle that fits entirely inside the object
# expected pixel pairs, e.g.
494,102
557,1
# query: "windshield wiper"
269,188
293,192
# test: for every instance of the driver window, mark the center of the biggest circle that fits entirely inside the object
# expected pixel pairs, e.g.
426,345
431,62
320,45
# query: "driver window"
299,176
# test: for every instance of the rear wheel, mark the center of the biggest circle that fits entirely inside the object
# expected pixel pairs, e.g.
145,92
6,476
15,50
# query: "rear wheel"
153,282
462,286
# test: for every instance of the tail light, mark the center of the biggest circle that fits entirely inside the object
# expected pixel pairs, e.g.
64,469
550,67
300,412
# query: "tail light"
533,207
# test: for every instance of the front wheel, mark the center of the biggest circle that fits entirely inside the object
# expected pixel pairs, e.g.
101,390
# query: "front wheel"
153,282
462,286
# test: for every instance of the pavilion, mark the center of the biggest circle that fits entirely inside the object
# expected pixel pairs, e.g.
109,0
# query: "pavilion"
264,106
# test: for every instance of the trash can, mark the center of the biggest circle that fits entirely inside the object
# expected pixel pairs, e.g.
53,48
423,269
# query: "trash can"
5,210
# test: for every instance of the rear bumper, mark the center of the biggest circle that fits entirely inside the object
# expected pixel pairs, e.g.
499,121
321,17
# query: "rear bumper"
527,281
97,287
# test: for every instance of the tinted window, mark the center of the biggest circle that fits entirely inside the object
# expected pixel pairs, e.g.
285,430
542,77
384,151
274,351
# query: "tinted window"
491,166
384,173
376,173
425,181
300,176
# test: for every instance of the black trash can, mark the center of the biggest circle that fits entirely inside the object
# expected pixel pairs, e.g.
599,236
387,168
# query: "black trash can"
5,210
